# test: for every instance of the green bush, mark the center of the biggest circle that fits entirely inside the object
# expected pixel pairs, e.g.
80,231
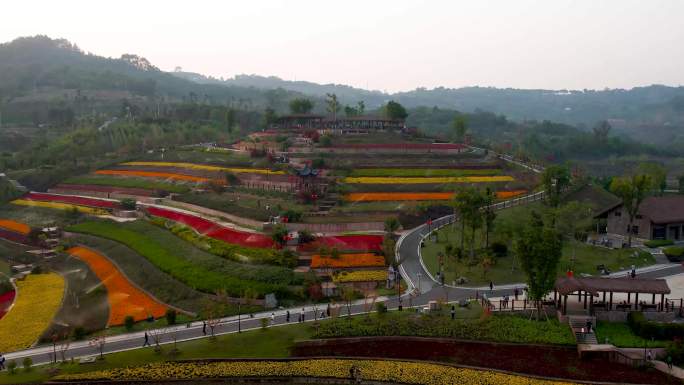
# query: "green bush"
674,253
27,362
658,243
656,330
79,333
499,249
128,204
171,316
500,328
129,322
381,307
676,351
12,367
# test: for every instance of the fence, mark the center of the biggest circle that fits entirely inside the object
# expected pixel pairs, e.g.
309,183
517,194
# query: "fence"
336,227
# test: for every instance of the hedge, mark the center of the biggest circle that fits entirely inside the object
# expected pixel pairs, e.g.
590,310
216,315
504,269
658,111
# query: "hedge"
658,243
674,253
656,330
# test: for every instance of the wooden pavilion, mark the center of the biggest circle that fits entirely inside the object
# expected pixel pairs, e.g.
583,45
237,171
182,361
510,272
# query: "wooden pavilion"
589,288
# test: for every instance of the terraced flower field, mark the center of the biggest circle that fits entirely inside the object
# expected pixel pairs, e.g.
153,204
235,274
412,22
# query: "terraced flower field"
421,172
352,242
155,175
70,199
347,260
15,226
360,276
213,230
418,196
427,180
124,298
370,370
39,298
59,206
205,167
127,182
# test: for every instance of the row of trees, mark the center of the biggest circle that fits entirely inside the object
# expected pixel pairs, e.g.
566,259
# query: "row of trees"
391,110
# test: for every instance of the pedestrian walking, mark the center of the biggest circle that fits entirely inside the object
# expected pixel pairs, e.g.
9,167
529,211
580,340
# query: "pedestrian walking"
327,310
2,362
204,327
147,341
491,285
515,293
303,315
322,314
287,316
272,318
649,356
453,312
669,361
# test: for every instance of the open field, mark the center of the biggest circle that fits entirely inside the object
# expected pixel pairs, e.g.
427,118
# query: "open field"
127,183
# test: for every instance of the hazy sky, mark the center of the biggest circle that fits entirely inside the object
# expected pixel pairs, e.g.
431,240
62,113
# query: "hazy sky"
387,45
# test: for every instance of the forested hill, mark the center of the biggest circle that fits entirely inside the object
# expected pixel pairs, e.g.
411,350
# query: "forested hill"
658,105
39,73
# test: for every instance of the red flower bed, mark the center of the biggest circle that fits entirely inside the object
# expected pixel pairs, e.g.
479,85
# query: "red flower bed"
106,189
213,230
540,360
353,242
6,300
14,237
75,200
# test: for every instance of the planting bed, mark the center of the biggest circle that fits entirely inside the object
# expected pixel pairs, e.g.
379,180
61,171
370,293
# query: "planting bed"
17,227
205,167
70,199
213,230
124,298
105,189
14,237
6,300
360,243
347,260
127,182
153,174
540,360
416,196
60,206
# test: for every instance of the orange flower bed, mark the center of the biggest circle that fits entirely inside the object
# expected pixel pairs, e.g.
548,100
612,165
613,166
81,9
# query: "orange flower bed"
124,298
424,196
17,227
154,174
348,260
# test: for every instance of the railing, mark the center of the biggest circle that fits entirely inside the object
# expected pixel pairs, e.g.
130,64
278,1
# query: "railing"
519,201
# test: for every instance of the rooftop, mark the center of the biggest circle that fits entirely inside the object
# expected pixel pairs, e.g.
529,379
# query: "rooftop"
594,285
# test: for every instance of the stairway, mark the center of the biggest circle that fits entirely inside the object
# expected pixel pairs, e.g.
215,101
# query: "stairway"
326,204
578,324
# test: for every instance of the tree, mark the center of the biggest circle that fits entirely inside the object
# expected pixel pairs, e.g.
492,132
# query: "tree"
555,179
171,315
279,235
348,297
632,190
128,204
681,184
459,127
391,225
360,107
270,116
350,111
657,173
601,130
568,218
301,106
394,110
333,105
488,213
539,249
468,202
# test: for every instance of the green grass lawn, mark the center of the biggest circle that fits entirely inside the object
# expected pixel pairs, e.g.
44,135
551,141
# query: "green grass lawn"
4,266
619,334
355,207
269,343
245,205
507,270
128,182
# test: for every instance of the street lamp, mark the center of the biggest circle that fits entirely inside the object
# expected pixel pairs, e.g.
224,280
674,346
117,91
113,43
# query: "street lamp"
419,275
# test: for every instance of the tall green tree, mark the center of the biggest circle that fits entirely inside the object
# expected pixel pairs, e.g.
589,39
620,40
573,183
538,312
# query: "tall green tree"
632,190
601,131
657,173
568,221
394,110
333,105
467,202
555,179
681,184
539,247
488,213
301,106
459,128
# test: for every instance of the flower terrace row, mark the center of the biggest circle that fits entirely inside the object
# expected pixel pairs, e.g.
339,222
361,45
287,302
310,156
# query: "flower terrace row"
428,180
204,167
14,231
6,300
369,370
39,298
360,276
417,196
347,260
124,298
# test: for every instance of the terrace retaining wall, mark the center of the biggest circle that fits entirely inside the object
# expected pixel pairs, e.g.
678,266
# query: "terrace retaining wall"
336,227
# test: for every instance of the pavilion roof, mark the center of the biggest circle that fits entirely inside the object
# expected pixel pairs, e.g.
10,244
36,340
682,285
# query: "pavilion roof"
594,285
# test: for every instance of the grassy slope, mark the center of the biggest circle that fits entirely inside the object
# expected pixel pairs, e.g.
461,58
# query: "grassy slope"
197,269
127,182
420,172
619,334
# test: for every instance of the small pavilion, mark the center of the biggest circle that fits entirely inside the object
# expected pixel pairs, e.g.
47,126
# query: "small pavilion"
597,293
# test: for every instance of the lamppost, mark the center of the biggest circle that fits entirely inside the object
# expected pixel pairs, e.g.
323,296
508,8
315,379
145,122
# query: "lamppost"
419,275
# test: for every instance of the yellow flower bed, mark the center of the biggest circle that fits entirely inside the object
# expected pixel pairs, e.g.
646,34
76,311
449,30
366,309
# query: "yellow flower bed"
39,296
59,206
438,179
360,276
193,166
371,370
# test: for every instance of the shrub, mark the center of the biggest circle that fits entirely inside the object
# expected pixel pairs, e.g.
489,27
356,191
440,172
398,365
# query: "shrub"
381,307
79,333
676,351
27,362
658,243
656,330
292,215
674,253
12,367
171,316
264,323
128,204
37,270
129,322
499,249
